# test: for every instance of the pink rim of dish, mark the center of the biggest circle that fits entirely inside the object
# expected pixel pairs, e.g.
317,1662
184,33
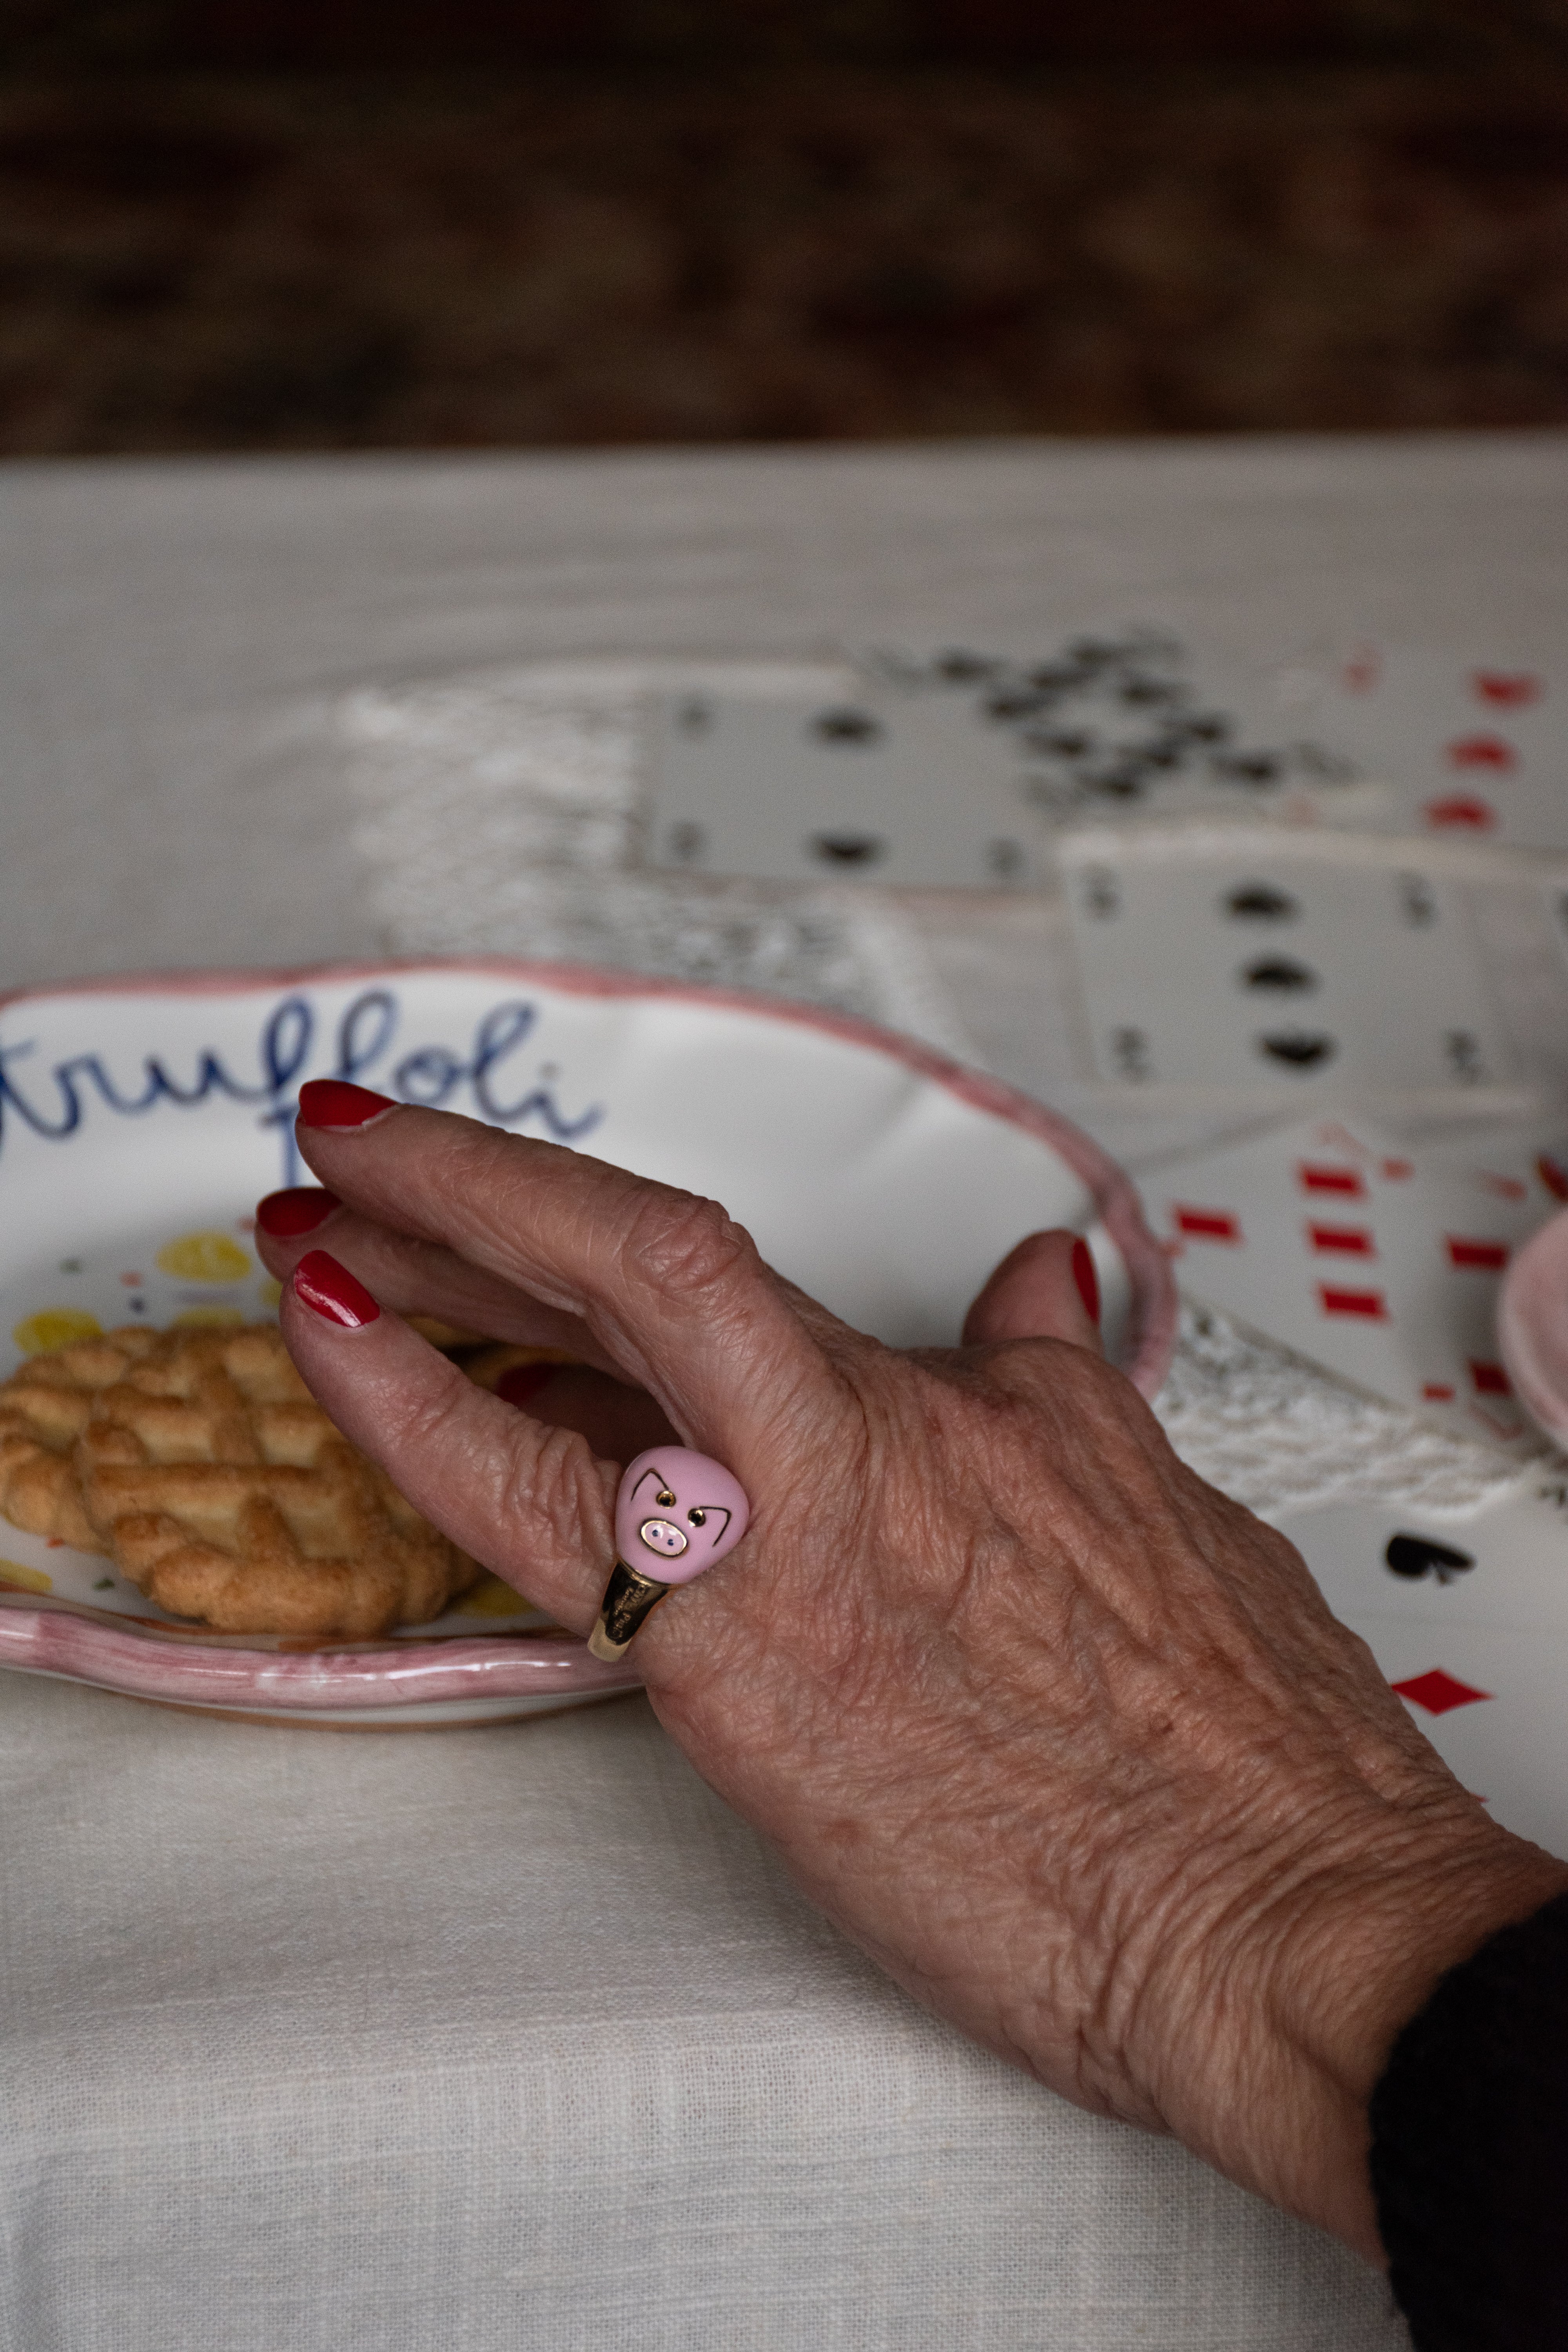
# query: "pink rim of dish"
56,1641
1532,1327
45,1640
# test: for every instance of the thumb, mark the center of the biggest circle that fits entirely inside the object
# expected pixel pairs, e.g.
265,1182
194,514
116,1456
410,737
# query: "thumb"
1046,1289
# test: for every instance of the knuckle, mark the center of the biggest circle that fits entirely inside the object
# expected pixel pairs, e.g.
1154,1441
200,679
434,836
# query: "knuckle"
535,1474
552,1486
429,1422
687,1246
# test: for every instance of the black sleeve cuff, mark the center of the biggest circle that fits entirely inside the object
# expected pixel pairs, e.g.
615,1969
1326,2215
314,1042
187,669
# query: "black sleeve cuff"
1469,2149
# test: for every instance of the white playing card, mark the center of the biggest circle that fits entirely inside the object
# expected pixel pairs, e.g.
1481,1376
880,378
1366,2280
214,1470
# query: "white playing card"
1471,745
1499,1568
902,789
1490,1702
1268,961
1380,1262
1124,722
1466,1614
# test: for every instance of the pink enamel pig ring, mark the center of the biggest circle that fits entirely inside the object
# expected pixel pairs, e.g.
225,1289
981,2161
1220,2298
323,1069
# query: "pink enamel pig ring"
677,1512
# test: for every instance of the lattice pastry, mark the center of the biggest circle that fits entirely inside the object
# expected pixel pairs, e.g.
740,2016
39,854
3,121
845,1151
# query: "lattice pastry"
221,1489
44,1408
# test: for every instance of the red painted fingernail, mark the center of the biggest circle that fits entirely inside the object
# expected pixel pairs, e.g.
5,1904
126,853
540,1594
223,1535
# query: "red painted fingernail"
524,1380
299,1210
337,1102
1088,1281
331,1290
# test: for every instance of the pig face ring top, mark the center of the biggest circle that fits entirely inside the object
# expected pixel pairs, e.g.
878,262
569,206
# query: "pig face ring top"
676,1514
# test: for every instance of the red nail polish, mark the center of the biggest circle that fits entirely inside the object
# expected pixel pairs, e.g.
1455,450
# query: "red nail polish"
1088,1281
299,1210
524,1380
337,1102
331,1290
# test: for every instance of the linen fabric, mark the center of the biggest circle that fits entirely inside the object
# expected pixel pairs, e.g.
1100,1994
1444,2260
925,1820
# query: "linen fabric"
516,2038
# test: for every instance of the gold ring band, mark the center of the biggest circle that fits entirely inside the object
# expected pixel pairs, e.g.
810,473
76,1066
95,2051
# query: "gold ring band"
629,1598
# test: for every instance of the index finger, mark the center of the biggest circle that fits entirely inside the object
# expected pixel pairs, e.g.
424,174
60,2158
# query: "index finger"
671,1287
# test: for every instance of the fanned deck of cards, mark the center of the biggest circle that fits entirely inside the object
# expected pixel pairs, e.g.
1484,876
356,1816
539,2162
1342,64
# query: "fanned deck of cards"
1294,893
1312,907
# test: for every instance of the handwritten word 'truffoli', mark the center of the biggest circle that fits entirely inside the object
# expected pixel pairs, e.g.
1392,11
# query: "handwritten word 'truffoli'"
52,1100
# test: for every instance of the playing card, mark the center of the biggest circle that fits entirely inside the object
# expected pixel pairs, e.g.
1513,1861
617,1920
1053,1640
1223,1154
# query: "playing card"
1490,1702
1382,1263
902,789
1122,723
1468,744
1501,1568
1466,1614
1227,960
951,770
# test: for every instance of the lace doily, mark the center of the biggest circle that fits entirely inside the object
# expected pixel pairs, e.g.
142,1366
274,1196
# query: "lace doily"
499,816
1280,1435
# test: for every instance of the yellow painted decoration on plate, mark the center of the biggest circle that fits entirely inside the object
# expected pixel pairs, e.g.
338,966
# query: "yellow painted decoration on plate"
208,1314
270,1292
492,1598
55,1327
204,1257
30,1580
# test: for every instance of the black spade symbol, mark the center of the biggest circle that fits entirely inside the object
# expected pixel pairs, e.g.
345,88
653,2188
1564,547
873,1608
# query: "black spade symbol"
1299,1049
1261,902
1415,1555
846,848
1278,976
852,730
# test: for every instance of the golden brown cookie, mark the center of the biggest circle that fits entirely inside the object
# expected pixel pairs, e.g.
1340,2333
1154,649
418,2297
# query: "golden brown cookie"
44,1408
221,1489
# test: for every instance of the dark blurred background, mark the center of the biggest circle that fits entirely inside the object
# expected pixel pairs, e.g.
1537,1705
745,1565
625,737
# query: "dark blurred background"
350,224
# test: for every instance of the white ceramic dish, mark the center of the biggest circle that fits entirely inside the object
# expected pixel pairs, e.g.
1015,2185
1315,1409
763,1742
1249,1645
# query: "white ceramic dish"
140,1118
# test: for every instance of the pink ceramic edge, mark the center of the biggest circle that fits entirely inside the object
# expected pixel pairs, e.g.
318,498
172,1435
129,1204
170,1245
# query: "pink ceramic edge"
1516,1336
51,1642
1153,1309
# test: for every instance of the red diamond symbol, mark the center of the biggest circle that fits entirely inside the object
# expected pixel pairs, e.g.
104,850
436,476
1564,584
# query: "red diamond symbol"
1437,1692
1207,1225
1461,809
1482,751
1500,687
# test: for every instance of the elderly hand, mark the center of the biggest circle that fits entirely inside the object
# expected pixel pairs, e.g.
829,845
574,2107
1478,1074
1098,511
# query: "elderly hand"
1067,1741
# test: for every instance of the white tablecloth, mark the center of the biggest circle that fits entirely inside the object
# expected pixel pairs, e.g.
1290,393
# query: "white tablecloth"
515,2038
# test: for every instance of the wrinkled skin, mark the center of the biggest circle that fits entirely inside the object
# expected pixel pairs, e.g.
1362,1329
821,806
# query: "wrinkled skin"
1067,1741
